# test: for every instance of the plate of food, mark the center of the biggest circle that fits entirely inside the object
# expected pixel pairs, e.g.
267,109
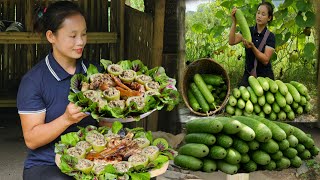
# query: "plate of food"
112,153
126,91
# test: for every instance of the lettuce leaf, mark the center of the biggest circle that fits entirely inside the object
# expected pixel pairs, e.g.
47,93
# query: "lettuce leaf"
140,176
125,64
67,164
116,126
139,67
70,138
92,69
105,63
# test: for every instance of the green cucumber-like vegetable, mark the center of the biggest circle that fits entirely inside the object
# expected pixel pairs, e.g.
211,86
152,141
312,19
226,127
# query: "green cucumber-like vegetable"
242,22
240,145
263,133
269,97
289,98
260,157
230,109
188,162
217,152
224,140
114,69
253,145
255,85
264,83
262,100
271,146
227,168
276,107
200,138
276,156
300,87
204,125
244,158
253,96
232,100
233,156
236,92
245,95
212,79
199,97
203,88
283,163
296,162
294,92
282,87
286,127
193,101
249,107
250,166
241,104
280,99
273,86
277,133
209,165
270,166
266,108
230,126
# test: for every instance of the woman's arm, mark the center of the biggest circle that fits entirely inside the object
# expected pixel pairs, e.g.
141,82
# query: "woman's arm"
264,58
37,133
234,38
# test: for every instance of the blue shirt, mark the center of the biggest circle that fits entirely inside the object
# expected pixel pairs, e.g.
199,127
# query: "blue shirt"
262,70
45,88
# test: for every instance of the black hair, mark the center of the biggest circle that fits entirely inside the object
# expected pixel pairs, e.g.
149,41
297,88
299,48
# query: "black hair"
269,7
53,16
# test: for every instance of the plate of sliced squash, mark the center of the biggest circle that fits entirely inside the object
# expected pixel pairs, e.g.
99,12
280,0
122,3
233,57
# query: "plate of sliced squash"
112,153
126,91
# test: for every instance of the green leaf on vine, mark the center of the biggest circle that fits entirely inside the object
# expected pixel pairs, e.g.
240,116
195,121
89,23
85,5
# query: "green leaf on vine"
311,19
302,5
309,50
198,28
300,21
286,4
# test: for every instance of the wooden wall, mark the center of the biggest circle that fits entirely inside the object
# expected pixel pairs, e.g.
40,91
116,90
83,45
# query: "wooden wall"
21,51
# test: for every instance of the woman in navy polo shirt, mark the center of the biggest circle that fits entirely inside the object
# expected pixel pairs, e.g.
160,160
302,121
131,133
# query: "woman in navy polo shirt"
42,100
257,58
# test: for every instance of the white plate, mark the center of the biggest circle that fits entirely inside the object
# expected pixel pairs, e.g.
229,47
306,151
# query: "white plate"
127,119
153,173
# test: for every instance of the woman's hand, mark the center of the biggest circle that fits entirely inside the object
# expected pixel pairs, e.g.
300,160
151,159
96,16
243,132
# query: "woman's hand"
73,113
247,44
233,17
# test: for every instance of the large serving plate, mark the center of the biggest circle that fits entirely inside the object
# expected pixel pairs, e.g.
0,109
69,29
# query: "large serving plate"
127,119
153,173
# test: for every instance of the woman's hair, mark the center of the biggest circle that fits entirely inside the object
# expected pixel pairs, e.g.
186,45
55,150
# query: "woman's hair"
53,16
269,7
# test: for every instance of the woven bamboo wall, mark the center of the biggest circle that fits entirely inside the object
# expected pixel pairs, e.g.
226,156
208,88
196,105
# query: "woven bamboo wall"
17,59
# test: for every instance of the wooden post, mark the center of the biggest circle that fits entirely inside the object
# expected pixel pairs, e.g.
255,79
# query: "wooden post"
29,27
121,28
181,44
157,49
318,64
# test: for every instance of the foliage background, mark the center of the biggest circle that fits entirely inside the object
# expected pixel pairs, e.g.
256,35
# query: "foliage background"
295,56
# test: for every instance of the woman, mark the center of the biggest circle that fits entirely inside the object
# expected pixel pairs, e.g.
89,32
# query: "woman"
42,99
257,59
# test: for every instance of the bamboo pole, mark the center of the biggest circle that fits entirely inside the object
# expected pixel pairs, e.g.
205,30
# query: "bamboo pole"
318,64
158,28
181,44
157,49
121,30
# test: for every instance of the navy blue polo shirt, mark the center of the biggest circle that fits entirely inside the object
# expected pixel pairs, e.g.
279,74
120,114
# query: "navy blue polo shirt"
45,88
262,70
